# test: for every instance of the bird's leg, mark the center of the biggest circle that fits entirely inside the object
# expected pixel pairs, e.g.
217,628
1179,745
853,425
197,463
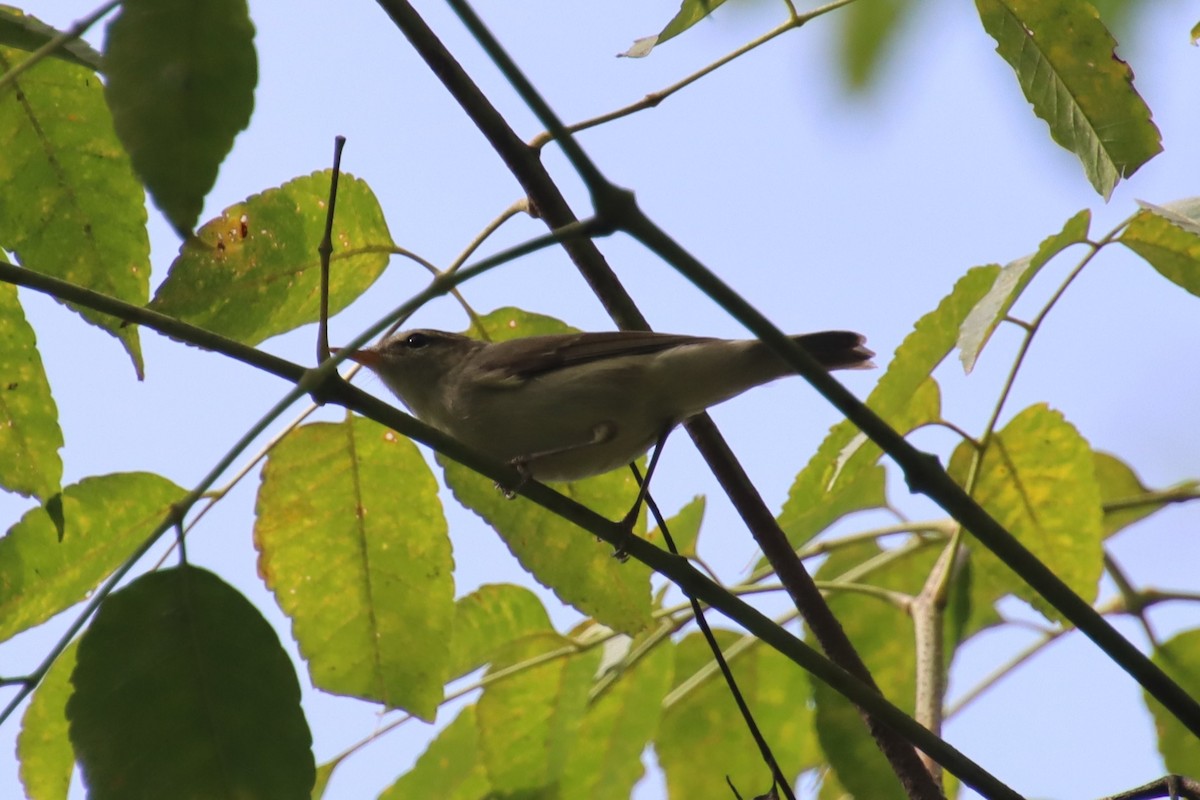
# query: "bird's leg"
630,519
601,433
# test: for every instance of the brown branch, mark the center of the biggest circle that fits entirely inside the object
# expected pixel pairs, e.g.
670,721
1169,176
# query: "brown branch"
545,196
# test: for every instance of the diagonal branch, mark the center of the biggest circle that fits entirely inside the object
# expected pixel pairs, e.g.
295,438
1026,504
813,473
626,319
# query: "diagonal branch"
525,165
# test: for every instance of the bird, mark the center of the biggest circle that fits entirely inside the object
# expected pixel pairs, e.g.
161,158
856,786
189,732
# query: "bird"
563,407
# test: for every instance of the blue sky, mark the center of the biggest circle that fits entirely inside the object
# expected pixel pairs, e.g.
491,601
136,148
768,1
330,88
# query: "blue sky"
823,212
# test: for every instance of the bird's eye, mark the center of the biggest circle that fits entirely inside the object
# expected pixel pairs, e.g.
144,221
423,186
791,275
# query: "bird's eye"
415,341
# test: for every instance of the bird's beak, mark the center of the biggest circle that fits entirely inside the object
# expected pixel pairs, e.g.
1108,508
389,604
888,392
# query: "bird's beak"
368,358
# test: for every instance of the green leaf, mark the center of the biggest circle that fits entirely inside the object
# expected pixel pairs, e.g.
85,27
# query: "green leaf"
703,720
843,475
254,271
353,544
107,517
868,31
690,12
29,434
488,619
324,773
1180,659
1122,493
1168,237
684,528
70,205
43,746
183,690
559,555
508,322
23,32
883,635
1067,66
1038,480
529,721
607,760
987,315
180,83
449,769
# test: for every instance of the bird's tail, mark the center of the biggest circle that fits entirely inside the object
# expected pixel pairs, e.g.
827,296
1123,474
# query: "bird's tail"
837,349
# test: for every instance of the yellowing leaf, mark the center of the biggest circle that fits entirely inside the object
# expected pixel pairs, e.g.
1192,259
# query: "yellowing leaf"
704,720
607,759
491,618
353,543
528,722
106,516
1168,237
70,206
842,476
254,271
580,570
43,745
449,769
1038,480
29,434
1124,495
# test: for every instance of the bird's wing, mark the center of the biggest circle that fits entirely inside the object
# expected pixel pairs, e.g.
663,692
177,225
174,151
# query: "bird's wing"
537,355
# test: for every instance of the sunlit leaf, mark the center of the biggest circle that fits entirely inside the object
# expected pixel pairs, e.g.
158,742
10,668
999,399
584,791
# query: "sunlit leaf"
353,543
449,769
607,759
705,720
183,690
581,571
107,517
254,271
1168,237
180,83
528,722
1124,495
1180,659
1038,480
70,206
489,619
843,475
882,633
1065,62
29,434
43,746
984,318
684,527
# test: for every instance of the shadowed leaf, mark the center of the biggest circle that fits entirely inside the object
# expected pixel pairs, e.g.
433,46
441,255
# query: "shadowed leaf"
183,690
180,83
1067,66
